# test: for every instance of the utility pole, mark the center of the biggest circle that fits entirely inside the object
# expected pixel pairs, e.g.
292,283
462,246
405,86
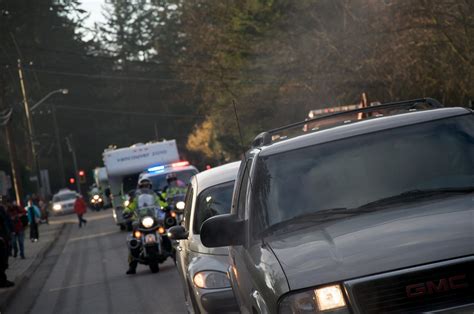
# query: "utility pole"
11,146
36,167
62,176
13,163
63,91
70,147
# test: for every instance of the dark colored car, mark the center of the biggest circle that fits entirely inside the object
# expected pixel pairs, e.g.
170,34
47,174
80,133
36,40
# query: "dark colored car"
370,216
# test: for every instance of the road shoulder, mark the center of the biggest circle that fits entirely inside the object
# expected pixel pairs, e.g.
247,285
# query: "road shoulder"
21,270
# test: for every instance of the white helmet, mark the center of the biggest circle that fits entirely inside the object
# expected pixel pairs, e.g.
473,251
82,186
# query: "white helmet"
144,183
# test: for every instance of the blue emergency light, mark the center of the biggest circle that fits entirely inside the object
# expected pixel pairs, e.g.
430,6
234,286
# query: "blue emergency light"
156,168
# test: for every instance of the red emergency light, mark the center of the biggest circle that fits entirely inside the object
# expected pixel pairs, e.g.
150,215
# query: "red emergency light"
180,164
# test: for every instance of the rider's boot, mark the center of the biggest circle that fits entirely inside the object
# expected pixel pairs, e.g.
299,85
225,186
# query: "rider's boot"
132,268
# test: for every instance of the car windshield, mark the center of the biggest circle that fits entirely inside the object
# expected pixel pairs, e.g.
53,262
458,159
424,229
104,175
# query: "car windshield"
184,177
353,172
213,201
64,197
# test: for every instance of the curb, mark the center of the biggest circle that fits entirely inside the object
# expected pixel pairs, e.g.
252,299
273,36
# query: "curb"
22,279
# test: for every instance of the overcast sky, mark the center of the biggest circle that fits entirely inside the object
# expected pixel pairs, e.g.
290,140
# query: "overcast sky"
94,7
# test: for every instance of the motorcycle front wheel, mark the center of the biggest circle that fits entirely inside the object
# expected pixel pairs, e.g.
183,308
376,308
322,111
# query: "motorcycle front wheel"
154,267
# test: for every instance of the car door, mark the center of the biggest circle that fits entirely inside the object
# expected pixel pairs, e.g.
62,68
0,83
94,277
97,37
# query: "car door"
241,281
182,248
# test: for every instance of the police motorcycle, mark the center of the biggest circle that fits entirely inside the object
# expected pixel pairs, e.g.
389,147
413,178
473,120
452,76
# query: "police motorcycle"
129,197
96,202
176,207
148,242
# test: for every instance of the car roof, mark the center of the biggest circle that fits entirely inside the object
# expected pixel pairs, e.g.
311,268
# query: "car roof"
217,175
65,191
166,171
360,128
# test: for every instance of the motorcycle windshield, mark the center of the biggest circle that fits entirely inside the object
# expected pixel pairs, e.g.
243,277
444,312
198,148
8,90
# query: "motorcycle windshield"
147,211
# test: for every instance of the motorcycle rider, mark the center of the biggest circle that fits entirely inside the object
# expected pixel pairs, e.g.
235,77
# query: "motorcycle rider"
174,187
144,197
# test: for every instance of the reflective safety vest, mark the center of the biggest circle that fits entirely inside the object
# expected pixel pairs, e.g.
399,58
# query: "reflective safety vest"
144,200
175,190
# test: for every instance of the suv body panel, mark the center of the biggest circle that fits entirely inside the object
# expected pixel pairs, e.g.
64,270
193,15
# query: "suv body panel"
376,242
263,271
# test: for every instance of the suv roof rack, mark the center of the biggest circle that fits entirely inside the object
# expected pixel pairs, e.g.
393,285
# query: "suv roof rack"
265,138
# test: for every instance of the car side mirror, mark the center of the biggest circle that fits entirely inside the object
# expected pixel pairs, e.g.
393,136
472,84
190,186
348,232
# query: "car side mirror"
177,233
223,230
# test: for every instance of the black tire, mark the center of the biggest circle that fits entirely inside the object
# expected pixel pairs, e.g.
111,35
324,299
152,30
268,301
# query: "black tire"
122,227
154,267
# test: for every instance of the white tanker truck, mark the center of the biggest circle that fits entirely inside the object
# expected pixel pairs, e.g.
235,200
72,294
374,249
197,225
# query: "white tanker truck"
123,166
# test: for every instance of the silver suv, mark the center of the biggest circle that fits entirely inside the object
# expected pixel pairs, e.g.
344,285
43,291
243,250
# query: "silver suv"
372,215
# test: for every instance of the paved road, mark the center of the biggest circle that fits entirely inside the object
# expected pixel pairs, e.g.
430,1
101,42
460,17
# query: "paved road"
85,273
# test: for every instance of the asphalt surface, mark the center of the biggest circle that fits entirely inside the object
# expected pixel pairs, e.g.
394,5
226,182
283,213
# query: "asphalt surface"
84,272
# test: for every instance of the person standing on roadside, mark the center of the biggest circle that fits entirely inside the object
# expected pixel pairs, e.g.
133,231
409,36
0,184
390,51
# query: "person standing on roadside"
80,207
19,220
5,231
43,206
34,216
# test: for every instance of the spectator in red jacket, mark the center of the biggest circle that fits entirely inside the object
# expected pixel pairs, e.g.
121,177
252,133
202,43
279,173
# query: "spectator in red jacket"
80,207
19,219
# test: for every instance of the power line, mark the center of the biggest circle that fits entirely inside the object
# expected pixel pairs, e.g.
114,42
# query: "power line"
5,116
130,113
111,77
150,79
97,55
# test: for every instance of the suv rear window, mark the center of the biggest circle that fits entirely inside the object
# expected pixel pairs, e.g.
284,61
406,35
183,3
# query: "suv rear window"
356,171
213,201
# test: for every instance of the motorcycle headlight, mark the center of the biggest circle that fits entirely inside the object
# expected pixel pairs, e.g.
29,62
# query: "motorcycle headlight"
96,197
99,200
126,203
57,207
325,299
180,205
211,280
147,222
93,201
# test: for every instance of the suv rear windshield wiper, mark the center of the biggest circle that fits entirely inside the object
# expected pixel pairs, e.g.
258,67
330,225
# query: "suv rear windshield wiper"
416,194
